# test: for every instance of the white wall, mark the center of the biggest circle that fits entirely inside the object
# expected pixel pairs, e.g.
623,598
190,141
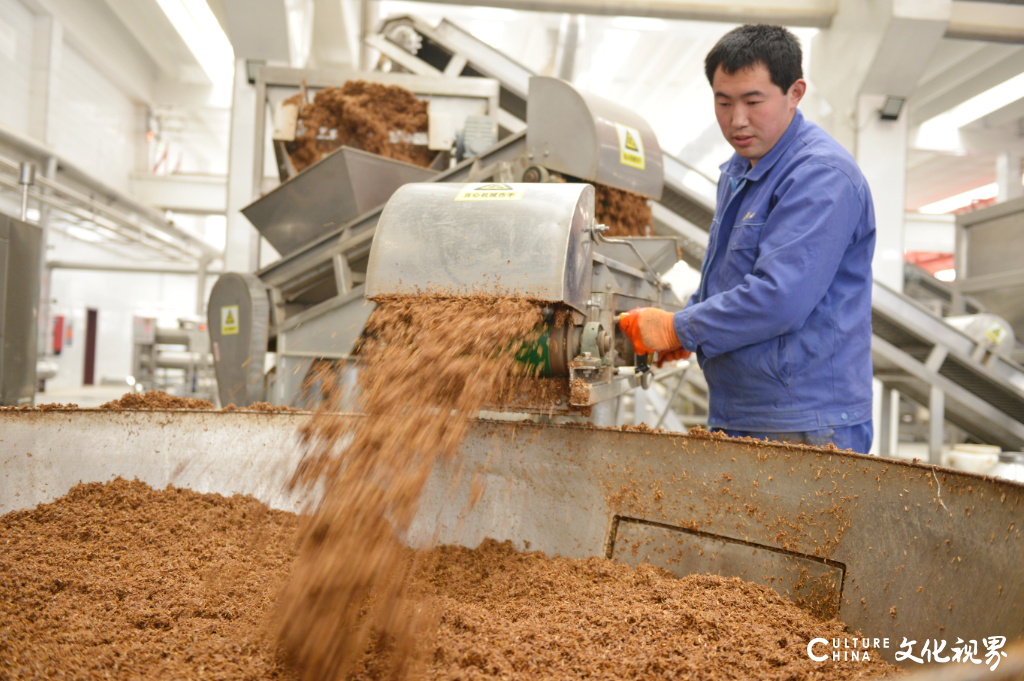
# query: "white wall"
95,125
91,121
118,296
16,28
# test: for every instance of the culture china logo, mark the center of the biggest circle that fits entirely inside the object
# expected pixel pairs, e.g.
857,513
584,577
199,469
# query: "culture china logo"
989,651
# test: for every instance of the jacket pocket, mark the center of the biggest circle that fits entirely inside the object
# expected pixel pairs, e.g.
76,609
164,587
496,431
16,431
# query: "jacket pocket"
745,236
742,254
783,364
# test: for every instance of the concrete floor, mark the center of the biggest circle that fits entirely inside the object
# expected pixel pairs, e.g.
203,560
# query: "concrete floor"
84,396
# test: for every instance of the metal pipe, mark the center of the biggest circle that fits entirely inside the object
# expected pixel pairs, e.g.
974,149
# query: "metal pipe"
668,404
113,220
598,229
789,13
157,221
66,265
43,318
568,45
26,178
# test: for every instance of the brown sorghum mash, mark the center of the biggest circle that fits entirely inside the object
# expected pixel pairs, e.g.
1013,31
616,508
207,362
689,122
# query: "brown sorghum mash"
121,581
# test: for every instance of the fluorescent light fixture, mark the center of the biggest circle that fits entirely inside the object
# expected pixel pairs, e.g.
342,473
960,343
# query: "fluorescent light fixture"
201,31
892,107
84,234
989,191
982,105
946,275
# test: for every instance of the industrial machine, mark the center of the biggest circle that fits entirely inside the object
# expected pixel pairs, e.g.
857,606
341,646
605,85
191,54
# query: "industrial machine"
526,197
175,360
535,240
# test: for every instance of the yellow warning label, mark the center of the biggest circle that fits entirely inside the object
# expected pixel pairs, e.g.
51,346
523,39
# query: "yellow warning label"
229,320
631,146
996,333
490,191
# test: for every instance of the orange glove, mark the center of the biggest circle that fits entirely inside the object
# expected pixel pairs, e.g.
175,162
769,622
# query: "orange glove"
651,330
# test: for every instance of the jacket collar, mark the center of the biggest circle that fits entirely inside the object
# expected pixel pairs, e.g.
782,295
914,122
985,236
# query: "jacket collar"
737,166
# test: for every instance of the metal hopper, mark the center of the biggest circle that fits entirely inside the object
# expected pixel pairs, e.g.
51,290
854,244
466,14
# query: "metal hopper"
339,188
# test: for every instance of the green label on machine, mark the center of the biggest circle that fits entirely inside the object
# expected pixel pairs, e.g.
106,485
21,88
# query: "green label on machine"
229,320
631,146
490,191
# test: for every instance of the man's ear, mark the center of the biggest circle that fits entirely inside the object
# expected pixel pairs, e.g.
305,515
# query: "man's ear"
797,91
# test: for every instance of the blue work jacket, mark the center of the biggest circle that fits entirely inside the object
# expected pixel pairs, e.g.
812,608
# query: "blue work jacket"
781,323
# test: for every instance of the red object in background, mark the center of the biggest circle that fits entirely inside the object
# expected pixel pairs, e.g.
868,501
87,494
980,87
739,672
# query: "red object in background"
930,261
58,334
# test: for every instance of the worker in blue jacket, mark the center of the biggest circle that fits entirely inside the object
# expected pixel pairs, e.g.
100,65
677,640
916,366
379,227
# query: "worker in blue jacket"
781,323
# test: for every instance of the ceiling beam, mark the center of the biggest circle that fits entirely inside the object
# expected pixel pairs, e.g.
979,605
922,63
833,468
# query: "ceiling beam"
991,21
962,68
962,83
817,13
258,29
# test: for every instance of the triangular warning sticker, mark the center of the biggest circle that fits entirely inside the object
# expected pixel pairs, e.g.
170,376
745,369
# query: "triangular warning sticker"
493,188
630,143
230,318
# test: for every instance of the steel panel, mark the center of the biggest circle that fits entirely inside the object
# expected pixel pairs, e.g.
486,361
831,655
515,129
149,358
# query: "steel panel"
538,245
328,194
238,355
21,247
574,132
996,245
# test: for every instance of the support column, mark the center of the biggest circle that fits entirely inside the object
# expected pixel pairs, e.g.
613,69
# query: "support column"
936,425
202,267
872,51
881,153
568,46
1009,169
43,316
47,47
242,244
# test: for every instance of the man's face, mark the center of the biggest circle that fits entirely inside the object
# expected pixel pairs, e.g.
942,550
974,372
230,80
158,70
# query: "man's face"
752,111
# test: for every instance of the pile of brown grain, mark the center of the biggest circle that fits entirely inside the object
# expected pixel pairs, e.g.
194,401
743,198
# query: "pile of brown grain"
156,399
625,213
512,615
120,581
361,115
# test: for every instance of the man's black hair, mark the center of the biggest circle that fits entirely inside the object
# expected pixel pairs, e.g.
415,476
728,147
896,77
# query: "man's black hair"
747,46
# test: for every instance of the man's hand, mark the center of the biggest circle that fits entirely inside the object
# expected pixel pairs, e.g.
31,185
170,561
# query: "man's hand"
650,330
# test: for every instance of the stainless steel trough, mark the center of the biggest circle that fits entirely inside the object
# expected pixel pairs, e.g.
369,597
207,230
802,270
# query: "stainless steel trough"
895,549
